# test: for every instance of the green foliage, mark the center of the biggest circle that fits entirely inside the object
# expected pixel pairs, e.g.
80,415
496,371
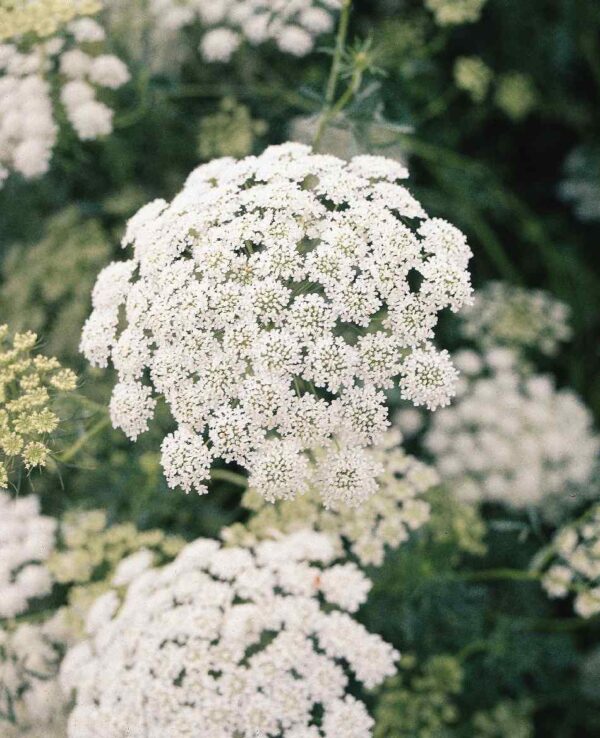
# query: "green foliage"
230,131
420,704
46,286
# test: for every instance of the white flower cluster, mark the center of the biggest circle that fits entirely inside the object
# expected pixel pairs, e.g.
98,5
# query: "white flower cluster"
513,438
455,12
31,700
507,315
229,642
577,571
270,303
27,540
581,183
293,25
384,520
28,75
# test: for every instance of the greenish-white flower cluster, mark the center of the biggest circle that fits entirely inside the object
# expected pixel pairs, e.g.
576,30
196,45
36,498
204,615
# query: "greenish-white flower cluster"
575,565
84,556
473,75
506,315
384,520
28,384
41,17
455,12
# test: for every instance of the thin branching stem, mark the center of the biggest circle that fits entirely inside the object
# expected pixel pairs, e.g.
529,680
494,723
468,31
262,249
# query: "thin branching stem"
331,108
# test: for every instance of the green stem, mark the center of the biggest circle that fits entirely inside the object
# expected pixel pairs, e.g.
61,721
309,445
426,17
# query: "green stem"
472,648
563,625
91,404
224,475
501,574
340,44
74,449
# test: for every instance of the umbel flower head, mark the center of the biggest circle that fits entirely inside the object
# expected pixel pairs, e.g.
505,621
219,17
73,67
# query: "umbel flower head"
384,520
27,540
506,315
41,17
292,26
230,642
28,382
271,303
69,61
575,566
32,704
455,12
514,438
87,557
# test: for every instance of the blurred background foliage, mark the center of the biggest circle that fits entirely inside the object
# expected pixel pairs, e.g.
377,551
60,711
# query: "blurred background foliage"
499,122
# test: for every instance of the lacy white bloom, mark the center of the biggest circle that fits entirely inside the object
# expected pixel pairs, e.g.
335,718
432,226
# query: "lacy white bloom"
384,520
455,12
230,642
27,540
506,315
292,26
88,560
28,130
576,565
30,691
155,31
270,304
514,438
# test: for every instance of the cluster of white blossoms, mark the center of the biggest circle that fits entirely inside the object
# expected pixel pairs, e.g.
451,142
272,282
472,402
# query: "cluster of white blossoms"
230,642
293,25
225,25
27,540
270,304
576,567
32,703
383,521
513,438
90,558
455,12
506,315
68,64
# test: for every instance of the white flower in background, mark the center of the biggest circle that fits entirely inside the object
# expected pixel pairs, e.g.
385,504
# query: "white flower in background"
30,654
506,315
28,75
455,12
514,438
27,540
154,26
86,557
293,26
581,183
229,642
575,567
384,520
270,304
